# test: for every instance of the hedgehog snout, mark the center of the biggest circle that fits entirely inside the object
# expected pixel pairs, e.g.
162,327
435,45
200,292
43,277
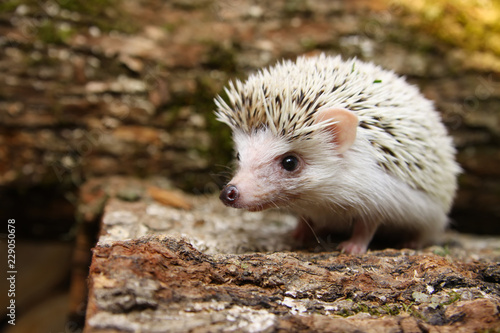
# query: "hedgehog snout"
229,195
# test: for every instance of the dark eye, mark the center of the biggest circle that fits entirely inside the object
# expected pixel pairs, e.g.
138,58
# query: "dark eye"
290,163
238,156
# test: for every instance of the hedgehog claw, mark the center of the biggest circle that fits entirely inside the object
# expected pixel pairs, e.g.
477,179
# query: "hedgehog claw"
352,247
362,234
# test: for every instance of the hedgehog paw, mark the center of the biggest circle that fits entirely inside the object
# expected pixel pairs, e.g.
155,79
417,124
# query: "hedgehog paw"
352,247
362,234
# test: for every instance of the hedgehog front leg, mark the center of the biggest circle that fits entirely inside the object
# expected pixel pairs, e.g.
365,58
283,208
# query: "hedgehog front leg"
362,234
303,230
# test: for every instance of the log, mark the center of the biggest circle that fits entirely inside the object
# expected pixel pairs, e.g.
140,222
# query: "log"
209,268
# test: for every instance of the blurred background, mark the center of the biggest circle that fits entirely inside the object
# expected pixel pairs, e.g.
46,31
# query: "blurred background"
105,87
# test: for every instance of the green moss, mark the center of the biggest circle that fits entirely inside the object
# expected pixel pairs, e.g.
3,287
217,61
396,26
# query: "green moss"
345,313
169,27
473,25
222,140
52,33
454,297
442,251
107,15
392,310
386,309
170,115
407,307
297,8
192,4
221,58
9,6
89,7
308,44
412,311
218,153
222,144
361,308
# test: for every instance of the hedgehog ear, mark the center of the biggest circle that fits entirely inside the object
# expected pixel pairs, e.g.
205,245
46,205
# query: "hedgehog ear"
343,130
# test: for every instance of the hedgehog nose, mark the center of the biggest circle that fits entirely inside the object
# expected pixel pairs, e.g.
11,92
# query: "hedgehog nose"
229,194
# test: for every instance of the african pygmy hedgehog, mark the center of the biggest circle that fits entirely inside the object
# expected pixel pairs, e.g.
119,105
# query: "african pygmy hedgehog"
345,145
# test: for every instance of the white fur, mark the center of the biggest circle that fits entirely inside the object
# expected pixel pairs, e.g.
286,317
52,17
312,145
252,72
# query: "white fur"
400,169
331,189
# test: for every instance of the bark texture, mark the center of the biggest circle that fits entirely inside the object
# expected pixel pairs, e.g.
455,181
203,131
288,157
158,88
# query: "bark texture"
191,264
126,87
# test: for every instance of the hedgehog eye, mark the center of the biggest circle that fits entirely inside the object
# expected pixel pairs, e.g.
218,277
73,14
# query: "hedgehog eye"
290,163
238,157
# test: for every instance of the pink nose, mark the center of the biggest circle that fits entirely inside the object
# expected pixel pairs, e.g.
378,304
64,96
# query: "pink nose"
229,195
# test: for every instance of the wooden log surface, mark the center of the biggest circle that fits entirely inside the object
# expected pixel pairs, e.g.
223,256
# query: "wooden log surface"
212,269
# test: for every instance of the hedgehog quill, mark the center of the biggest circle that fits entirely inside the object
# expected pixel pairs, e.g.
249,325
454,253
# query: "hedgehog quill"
345,145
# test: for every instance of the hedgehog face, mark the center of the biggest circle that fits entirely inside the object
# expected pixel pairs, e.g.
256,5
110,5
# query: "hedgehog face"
269,172
277,171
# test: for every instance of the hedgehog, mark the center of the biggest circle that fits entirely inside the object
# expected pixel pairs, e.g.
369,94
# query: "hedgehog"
345,145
